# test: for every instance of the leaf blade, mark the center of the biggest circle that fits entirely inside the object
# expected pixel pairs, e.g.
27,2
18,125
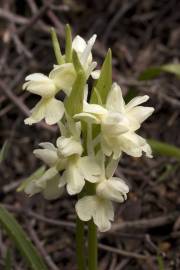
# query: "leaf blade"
172,68
8,260
164,148
150,73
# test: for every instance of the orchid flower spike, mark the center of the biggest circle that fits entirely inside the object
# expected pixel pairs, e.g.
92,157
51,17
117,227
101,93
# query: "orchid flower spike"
85,155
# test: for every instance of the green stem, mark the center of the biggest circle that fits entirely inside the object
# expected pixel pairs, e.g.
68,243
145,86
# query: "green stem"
80,247
92,246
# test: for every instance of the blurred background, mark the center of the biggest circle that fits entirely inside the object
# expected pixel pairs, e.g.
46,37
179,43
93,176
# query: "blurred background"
145,40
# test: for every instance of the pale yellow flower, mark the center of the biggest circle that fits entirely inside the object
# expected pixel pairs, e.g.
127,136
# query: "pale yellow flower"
99,206
67,166
49,108
108,189
119,121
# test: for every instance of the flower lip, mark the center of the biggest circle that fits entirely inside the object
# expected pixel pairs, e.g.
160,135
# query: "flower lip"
99,209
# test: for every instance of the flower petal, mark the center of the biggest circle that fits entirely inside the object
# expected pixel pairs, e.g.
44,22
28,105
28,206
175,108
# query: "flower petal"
96,74
38,113
79,44
52,190
136,101
129,143
68,146
119,183
49,157
86,54
115,101
48,145
114,189
106,148
54,111
90,68
44,88
94,109
64,77
147,150
103,214
114,124
134,145
74,179
89,169
100,210
31,188
36,77
137,115
49,174
85,207
87,117
111,145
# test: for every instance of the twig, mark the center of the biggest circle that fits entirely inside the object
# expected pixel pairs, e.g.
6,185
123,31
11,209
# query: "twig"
19,45
35,18
19,103
145,224
128,5
123,252
50,221
12,18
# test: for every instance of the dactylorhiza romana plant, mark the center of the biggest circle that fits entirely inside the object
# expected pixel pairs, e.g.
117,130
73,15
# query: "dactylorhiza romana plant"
96,128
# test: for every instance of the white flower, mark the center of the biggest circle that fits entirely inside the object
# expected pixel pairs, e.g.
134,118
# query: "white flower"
60,78
84,52
67,157
99,206
119,121
49,182
78,169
